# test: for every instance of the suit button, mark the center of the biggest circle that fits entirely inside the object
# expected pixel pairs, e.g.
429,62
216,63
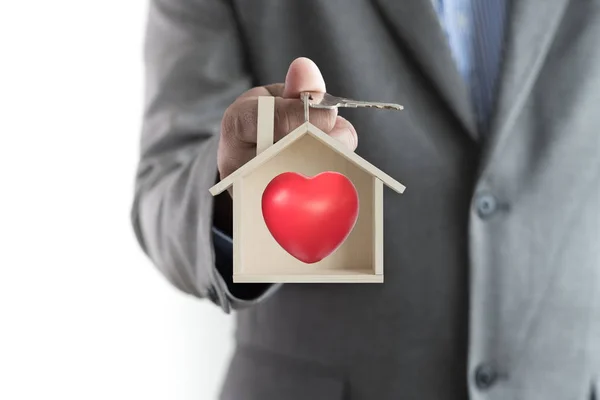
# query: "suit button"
486,205
485,376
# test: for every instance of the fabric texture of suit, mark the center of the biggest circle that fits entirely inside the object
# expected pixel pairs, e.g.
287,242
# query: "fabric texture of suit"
492,255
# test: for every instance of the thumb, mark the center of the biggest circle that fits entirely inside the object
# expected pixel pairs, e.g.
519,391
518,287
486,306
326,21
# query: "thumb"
303,75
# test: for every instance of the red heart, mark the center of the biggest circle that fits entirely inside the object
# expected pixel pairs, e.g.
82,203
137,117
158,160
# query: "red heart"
310,217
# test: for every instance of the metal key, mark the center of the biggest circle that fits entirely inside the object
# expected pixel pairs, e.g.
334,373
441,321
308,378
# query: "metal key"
327,101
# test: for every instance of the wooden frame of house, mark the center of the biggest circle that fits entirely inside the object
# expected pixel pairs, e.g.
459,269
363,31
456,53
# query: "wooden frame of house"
257,257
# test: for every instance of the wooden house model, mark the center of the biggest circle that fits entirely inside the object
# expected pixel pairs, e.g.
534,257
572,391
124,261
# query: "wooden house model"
257,256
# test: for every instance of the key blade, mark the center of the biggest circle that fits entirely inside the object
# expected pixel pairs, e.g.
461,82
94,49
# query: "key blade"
327,101
370,104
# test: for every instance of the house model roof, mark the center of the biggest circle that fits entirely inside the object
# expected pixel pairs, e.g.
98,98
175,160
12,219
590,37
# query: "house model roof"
306,129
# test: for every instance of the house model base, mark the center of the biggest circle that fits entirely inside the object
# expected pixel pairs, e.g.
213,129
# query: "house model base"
257,257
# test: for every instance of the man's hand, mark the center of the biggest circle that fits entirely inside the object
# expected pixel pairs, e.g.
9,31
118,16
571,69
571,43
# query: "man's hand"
237,143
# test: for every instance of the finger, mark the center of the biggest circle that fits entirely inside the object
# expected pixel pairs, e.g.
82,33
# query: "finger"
274,89
344,131
289,115
230,161
238,126
303,75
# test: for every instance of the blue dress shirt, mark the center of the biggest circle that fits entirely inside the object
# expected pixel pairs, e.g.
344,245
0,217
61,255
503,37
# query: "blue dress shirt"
475,31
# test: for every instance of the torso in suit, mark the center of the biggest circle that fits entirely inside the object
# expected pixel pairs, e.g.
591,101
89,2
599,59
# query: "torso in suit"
492,255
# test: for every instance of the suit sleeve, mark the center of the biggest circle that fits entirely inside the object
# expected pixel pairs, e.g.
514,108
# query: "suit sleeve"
194,66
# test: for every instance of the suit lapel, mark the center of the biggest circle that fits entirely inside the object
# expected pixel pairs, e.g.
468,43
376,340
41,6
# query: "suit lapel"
415,23
530,32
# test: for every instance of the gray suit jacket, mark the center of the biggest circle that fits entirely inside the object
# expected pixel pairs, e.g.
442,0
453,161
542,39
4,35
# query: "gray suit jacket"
492,256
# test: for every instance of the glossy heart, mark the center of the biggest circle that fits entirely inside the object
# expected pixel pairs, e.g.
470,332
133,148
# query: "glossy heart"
310,217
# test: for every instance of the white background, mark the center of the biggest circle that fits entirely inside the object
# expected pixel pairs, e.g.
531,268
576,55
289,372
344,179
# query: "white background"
83,313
